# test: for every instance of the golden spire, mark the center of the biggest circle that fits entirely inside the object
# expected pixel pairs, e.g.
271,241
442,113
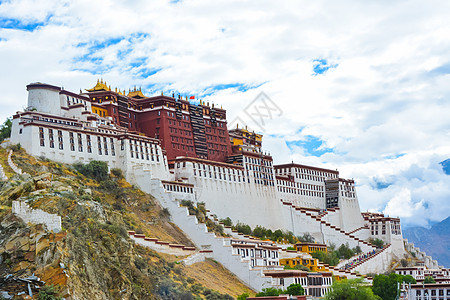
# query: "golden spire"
100,86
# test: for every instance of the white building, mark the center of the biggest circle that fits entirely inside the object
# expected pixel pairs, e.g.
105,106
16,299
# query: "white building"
64,127
258,253
60,126
314,284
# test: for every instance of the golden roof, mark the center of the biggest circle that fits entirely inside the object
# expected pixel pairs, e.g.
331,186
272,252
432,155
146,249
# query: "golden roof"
135,93
100,86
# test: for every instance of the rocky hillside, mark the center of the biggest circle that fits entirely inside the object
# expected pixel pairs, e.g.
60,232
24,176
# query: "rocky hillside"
93,257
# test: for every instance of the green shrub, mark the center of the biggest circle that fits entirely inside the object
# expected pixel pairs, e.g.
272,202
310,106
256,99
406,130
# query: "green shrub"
117,173
16,147
164,213
109,185
227,222
295,289
243,228
269,292
243,296
302,268
49,292
97,170
376,242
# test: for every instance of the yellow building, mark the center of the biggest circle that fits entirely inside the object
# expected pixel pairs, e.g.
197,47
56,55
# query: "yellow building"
311,247
99,110
242,136
311,263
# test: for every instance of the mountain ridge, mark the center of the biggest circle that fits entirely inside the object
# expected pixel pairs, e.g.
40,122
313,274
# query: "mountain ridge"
435,241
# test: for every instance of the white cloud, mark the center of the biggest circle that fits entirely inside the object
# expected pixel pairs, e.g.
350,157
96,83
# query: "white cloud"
386,97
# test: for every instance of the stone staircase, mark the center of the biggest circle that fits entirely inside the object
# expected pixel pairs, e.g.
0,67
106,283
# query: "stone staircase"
218,247
358,229
344,236
161,246
369,259
326,212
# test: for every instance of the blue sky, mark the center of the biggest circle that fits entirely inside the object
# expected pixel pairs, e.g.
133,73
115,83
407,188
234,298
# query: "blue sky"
360,87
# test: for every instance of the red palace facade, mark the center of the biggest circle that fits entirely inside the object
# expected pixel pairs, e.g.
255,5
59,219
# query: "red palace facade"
184,129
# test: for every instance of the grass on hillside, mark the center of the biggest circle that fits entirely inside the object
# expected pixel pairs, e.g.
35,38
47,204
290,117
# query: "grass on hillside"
97,252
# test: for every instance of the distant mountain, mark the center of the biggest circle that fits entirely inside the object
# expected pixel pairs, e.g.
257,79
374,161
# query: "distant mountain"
434,241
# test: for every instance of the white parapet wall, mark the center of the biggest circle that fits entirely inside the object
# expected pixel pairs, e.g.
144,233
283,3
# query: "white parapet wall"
197,257
377,264
12,165
36,216
2,174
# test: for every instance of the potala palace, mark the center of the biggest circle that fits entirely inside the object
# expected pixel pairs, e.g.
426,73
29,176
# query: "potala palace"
177,150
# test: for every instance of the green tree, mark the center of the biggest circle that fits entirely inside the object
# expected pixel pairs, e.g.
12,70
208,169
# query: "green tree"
408,279
350,289
295,289
243,228
243,296
376,242
345,251
357,250
227,222
5,130
387,286
259,232
277,234
429,279
269,292
306,238
330,258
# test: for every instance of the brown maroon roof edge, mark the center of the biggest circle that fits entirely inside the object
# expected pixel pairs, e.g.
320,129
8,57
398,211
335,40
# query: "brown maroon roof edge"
294,165
39,85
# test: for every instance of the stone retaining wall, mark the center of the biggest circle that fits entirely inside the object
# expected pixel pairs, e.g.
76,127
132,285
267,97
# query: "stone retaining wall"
36,216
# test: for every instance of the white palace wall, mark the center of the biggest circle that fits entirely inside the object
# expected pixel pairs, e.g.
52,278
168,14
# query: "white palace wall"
246,202
62,129
350,214
71,144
